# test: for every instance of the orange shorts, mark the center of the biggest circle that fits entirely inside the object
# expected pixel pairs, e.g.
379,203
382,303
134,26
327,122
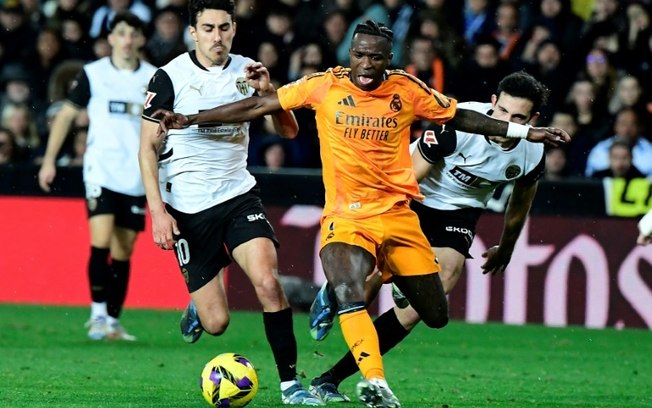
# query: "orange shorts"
394,238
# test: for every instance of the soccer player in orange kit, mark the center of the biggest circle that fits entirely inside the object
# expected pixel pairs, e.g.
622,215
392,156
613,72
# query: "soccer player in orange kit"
363,116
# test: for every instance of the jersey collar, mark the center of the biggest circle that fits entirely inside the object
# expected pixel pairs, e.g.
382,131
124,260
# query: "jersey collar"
193,58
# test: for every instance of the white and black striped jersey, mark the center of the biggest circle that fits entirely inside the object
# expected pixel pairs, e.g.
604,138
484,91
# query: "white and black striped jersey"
467,168
114,100
202,165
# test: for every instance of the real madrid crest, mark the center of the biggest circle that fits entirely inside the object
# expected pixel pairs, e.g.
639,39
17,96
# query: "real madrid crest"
396,104
512,171
242,85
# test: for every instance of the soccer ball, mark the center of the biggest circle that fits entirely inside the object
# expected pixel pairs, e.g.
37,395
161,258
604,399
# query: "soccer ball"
228,380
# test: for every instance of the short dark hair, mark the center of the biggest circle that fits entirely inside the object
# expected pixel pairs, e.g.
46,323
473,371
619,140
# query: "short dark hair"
523,85
131,19
197,6
371,27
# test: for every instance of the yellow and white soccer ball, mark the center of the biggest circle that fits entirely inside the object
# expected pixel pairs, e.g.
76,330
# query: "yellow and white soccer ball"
229,380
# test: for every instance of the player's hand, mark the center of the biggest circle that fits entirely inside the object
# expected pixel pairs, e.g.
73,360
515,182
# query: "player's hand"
46,176
164,229
169,120
258,78
548,135
644,239
497,260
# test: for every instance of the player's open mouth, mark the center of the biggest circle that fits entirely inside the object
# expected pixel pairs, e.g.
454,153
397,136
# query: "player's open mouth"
365,80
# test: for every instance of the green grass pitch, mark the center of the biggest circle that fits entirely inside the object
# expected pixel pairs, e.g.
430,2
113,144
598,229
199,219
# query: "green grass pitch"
46,361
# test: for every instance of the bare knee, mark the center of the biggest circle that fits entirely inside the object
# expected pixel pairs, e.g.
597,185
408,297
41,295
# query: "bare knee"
215,325
270,294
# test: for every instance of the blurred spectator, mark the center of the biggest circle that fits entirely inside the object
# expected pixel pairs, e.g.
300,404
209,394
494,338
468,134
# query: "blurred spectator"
449,44
9,152
281,34
167,40
15,83
507,30
47,57
628,94
548,69
531,42
75,40
309,55
627,128
273,154
101,48
427,65
334,29
482,71
270,57
599,70
19,119
250,28
17,37
62,79
74,155
477,20
620,162
33,13
105,13
401,15
556,161
564,26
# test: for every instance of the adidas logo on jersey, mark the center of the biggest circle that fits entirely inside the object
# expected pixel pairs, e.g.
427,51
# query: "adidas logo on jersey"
348,101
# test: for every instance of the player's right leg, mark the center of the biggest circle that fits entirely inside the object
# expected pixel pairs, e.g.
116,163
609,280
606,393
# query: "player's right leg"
208,311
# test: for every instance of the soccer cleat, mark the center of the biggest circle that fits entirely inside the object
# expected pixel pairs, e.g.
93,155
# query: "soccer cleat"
297,395
375,393
190,325
115,331
321,315
399,298
327,391
97,328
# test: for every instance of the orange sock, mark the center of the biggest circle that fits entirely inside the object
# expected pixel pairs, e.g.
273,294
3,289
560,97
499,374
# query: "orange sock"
360,334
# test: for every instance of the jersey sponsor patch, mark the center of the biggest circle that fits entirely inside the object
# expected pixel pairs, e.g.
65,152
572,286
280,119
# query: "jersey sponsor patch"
430,138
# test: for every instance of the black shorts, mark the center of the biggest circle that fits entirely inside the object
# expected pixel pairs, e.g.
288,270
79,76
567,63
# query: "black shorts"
208,237
448,229
129,211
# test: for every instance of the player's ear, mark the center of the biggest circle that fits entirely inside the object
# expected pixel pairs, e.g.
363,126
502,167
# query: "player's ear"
494,99
193,33
534,118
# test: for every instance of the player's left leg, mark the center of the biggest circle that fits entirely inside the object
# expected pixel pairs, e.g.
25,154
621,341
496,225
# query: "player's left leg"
257,258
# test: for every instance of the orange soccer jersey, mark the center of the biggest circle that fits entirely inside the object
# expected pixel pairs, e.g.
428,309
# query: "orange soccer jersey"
365,136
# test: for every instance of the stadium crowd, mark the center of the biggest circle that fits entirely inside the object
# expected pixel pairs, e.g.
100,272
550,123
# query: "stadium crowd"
594,55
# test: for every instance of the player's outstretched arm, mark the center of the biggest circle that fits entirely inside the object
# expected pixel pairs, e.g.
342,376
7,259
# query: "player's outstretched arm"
244,110
520,202
285,124
475,122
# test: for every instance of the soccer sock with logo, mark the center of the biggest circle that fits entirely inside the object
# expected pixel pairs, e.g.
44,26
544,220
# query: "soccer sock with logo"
279,330
98,265
117,286
360,334
390,333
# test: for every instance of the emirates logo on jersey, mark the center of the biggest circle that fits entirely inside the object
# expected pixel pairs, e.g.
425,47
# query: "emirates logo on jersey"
242,85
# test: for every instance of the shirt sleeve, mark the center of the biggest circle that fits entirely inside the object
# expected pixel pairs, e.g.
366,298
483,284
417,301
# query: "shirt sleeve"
307,92
537,171
437,142
80,90
433,106
160,95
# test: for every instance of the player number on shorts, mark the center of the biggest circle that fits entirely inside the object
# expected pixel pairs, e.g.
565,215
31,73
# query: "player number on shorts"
183,252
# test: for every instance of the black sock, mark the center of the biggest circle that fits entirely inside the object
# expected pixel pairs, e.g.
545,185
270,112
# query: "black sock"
117,287
98,265
390,333
279,329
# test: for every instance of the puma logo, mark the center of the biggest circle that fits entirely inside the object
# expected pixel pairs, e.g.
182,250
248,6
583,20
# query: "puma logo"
195,88
463,157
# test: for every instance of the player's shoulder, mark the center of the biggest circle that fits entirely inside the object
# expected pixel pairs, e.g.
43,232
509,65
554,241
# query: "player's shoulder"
403,79
239,61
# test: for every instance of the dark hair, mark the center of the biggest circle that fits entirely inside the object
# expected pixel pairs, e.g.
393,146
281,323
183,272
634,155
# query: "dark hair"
621,142
371,27
130,18
523,85
197,6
